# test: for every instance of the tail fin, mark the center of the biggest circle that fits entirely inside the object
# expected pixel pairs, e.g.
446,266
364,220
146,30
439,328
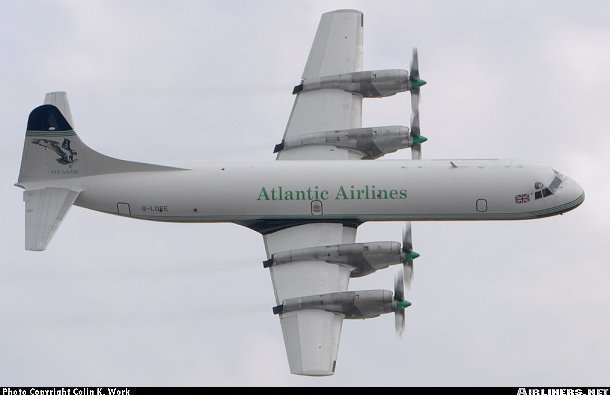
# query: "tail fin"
52,152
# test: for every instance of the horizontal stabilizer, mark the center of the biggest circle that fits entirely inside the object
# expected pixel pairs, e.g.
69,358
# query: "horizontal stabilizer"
44,211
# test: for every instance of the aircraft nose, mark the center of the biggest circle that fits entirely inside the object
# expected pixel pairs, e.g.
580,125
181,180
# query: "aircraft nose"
574,194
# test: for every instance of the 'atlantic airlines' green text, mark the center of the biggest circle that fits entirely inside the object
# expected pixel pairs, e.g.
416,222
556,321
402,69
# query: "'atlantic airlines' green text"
365,192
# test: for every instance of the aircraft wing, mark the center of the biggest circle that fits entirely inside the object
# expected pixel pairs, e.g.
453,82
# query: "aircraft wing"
312,336
337,49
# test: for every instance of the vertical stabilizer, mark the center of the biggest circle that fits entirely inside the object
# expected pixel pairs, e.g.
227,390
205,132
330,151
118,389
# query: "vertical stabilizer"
52,153
60,100
52,150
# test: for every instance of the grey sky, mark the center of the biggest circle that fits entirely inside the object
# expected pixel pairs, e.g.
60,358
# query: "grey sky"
122,302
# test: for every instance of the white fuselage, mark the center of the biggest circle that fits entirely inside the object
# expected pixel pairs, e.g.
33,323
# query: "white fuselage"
333,191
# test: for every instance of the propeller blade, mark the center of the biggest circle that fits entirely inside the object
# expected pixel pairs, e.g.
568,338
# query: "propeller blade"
415,83
415,131
416,137
416,152
400,304
399,322
407,243
415,93
399,287
408,253
414,73
408,271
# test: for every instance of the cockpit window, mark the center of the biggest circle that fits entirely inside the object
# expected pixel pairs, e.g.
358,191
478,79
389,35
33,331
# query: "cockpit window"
550,190
555,184
558,174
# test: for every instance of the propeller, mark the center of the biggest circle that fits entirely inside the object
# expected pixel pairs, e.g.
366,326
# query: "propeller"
400,304
408,255
415,83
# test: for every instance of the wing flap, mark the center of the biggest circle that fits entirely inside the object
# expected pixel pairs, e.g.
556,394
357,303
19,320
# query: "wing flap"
44,211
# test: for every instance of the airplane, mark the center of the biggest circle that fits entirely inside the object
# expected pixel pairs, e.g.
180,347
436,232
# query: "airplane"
309,203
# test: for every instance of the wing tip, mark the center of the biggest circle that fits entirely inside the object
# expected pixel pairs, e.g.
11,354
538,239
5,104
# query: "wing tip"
343,10
313,373
35,248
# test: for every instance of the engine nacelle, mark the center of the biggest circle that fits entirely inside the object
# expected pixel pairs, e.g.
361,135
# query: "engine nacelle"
365,258
352,304
372,142
377,83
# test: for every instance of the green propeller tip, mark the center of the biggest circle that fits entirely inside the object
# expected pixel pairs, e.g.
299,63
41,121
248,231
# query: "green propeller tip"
419,140
418,82
403,304
411,255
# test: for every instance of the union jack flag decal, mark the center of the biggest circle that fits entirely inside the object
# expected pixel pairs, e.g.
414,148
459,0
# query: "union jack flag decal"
525,198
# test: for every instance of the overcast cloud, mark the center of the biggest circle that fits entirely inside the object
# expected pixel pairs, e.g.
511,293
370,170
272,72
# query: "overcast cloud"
123,302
